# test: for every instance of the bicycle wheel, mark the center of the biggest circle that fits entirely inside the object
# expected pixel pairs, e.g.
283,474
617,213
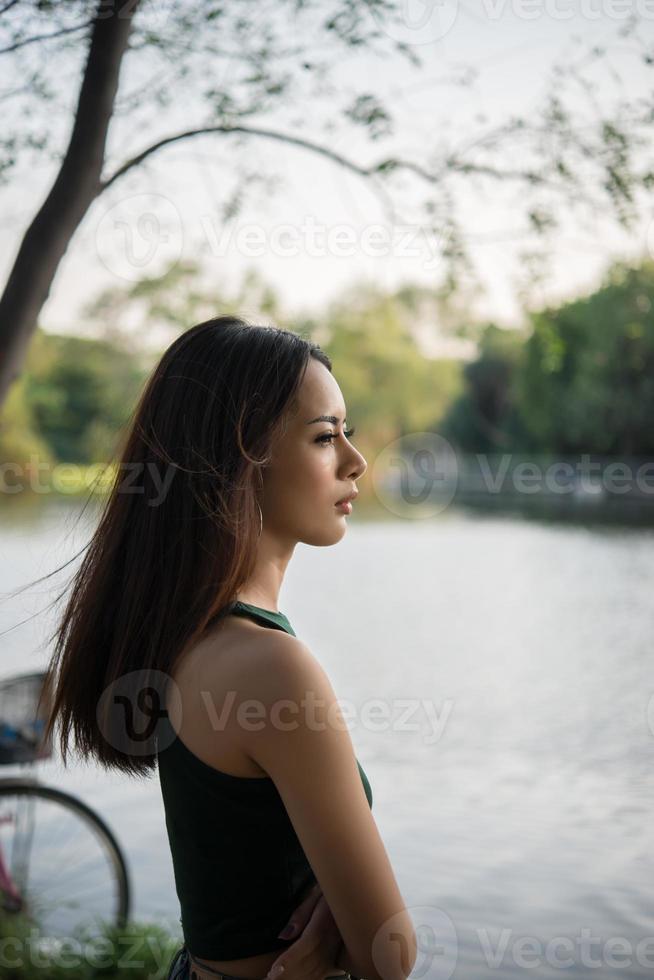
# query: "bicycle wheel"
66,868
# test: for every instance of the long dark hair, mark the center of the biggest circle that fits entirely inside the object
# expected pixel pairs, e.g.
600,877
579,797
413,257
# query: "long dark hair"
178,533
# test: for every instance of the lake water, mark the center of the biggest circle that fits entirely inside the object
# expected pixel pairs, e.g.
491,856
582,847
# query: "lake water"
513,769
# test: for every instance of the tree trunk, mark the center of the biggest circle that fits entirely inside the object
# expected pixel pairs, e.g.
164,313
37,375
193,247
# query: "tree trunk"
76,186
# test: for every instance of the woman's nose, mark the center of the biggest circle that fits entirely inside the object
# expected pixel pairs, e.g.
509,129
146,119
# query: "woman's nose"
358,467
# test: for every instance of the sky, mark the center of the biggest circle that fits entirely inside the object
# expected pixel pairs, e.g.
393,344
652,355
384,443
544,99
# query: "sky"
323,229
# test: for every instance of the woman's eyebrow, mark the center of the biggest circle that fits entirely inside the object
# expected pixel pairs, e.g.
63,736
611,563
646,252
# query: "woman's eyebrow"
326,418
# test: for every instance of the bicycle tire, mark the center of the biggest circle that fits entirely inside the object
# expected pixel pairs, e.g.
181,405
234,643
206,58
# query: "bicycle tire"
30,787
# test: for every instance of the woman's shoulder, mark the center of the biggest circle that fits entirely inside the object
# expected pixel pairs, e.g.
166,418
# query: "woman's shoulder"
243,650
219,679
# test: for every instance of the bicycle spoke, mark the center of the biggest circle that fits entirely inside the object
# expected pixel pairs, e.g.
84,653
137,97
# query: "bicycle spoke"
62,859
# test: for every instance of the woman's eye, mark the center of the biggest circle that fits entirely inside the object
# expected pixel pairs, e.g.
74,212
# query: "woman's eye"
327,438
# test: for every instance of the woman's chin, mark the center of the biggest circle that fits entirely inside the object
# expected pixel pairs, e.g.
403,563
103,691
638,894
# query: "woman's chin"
327,535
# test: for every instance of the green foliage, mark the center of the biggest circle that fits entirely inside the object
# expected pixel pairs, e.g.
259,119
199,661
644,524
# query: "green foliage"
71,402
581,381
588,378
484,418
140,950
177,299
390,387
84,397
368,112
19,440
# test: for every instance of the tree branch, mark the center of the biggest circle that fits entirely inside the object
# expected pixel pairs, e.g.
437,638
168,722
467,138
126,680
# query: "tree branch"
369,172
450,165
247,130
8,6
45,37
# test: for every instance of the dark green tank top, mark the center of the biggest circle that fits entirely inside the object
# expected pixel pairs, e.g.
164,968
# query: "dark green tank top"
239,867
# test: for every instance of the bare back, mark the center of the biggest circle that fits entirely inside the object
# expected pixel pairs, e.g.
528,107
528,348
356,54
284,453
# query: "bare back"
212,665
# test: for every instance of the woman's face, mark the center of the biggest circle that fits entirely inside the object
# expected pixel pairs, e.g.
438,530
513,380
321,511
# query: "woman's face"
313,466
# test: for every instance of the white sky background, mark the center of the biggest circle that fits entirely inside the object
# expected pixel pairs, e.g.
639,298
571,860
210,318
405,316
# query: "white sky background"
513,54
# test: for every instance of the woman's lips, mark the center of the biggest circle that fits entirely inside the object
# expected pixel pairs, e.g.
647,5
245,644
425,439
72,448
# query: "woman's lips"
345,506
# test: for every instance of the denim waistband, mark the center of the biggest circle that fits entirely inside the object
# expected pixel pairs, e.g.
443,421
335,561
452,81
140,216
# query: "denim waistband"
180,969
182,965
210,970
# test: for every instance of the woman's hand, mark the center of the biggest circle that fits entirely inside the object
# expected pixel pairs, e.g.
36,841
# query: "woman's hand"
313,954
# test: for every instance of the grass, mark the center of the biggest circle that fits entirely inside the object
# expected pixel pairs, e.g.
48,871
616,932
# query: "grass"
140,950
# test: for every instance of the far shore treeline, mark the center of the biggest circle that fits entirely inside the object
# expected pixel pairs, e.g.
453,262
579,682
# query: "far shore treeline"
576,378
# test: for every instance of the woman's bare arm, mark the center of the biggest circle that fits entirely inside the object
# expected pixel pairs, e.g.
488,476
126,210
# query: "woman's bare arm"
310,757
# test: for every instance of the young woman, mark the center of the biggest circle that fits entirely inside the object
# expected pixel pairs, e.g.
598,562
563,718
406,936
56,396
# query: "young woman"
173,652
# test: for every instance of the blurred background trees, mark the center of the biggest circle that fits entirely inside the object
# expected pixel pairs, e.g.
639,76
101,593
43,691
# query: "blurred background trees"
577,377
580,378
